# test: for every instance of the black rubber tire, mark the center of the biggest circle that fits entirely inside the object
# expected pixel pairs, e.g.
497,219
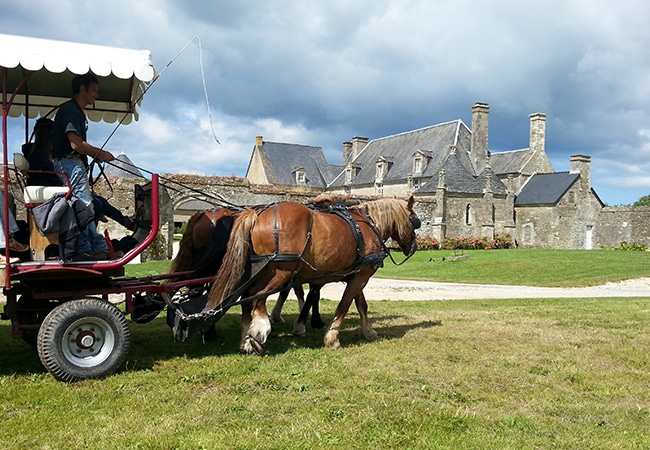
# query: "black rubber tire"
82,339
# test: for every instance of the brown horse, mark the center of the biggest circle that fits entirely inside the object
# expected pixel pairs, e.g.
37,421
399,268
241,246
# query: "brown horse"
198,238
298,245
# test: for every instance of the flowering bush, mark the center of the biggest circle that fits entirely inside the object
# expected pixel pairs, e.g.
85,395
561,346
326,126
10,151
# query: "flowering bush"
427,243
476,243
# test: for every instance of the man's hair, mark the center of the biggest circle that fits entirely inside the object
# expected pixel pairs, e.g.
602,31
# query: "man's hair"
83,80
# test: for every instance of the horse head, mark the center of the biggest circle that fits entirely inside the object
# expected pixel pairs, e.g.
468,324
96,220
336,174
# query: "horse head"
410,246
396,219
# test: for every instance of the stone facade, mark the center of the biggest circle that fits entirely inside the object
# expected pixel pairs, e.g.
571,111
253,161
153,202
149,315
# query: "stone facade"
622,223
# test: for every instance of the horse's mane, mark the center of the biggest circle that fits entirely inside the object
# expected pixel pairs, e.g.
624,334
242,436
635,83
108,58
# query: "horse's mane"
328,197
327,202
389,214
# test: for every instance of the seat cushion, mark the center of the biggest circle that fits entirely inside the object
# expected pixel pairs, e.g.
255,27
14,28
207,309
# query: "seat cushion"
41,194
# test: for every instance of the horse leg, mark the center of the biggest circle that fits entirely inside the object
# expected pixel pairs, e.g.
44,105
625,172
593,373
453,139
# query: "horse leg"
362,307
258,329
299,324
316,320
313,297
276,312
300,295
331,339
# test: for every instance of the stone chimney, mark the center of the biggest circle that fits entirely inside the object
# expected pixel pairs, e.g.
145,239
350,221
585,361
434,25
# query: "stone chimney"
358,144
259,140
347,151
479,149
582,164
538,132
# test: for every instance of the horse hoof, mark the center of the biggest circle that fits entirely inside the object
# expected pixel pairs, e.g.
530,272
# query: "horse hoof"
250,346
299,329
369,335
331,341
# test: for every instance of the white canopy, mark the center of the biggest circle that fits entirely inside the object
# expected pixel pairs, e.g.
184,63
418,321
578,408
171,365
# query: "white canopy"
40,71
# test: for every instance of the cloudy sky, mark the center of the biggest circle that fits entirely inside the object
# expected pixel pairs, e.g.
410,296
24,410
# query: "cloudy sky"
320,72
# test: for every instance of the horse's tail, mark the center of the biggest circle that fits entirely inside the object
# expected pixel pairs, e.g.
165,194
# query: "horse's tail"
234,261
183,259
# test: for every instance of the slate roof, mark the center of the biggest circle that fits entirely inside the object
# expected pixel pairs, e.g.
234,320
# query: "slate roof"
122,166
545,188
281,161
511,161
436,140
458,179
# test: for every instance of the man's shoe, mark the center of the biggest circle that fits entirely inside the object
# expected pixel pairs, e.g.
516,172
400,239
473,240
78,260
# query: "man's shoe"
16,246
100,255
130,223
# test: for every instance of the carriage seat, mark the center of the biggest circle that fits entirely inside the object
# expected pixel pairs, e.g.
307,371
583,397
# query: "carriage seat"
35,195
40,246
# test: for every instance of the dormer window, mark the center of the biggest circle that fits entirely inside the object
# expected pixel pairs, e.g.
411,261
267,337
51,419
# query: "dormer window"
379,172
420,159
351,171
417,164
382,165
301,175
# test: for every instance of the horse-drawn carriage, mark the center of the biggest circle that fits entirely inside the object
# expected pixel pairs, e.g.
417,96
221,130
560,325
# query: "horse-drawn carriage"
69,309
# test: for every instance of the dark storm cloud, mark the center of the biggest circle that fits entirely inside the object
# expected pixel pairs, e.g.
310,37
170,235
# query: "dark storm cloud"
318,73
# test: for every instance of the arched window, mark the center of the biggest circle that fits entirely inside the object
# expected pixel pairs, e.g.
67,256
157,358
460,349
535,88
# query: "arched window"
468,214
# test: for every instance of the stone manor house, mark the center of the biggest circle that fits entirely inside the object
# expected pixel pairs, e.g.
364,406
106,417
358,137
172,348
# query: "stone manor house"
461,188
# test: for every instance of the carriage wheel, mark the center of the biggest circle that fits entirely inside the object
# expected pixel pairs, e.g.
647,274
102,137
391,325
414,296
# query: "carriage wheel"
81,339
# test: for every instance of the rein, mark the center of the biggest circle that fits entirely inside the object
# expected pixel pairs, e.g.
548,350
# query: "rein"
381,242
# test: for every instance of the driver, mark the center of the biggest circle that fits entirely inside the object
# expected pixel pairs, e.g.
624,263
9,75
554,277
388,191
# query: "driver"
70,153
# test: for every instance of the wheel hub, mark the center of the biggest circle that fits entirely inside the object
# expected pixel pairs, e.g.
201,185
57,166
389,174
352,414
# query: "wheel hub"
85,341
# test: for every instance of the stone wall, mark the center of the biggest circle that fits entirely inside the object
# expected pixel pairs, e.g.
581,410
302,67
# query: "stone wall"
564,226
623,223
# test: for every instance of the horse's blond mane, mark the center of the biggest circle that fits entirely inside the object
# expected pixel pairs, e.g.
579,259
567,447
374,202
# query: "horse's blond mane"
389,214
233,265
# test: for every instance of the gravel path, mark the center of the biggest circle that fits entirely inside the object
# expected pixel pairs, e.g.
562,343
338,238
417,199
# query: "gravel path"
387,289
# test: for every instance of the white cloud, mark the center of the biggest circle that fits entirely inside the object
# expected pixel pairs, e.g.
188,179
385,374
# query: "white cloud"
318,73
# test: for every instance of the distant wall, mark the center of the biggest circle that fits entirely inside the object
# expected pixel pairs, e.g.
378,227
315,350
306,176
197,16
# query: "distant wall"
623,223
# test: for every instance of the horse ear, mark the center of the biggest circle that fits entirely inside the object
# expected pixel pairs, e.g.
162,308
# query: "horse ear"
410,202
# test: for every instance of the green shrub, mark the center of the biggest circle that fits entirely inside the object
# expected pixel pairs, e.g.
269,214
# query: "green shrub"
478,243
632,247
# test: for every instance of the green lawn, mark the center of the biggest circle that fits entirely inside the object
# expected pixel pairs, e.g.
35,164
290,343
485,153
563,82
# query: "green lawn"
471,374
532,267
506,374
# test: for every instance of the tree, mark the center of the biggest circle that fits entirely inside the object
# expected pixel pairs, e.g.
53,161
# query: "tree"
643,201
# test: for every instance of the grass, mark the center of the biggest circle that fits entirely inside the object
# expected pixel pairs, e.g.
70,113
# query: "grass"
508,374
471,374
531,267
